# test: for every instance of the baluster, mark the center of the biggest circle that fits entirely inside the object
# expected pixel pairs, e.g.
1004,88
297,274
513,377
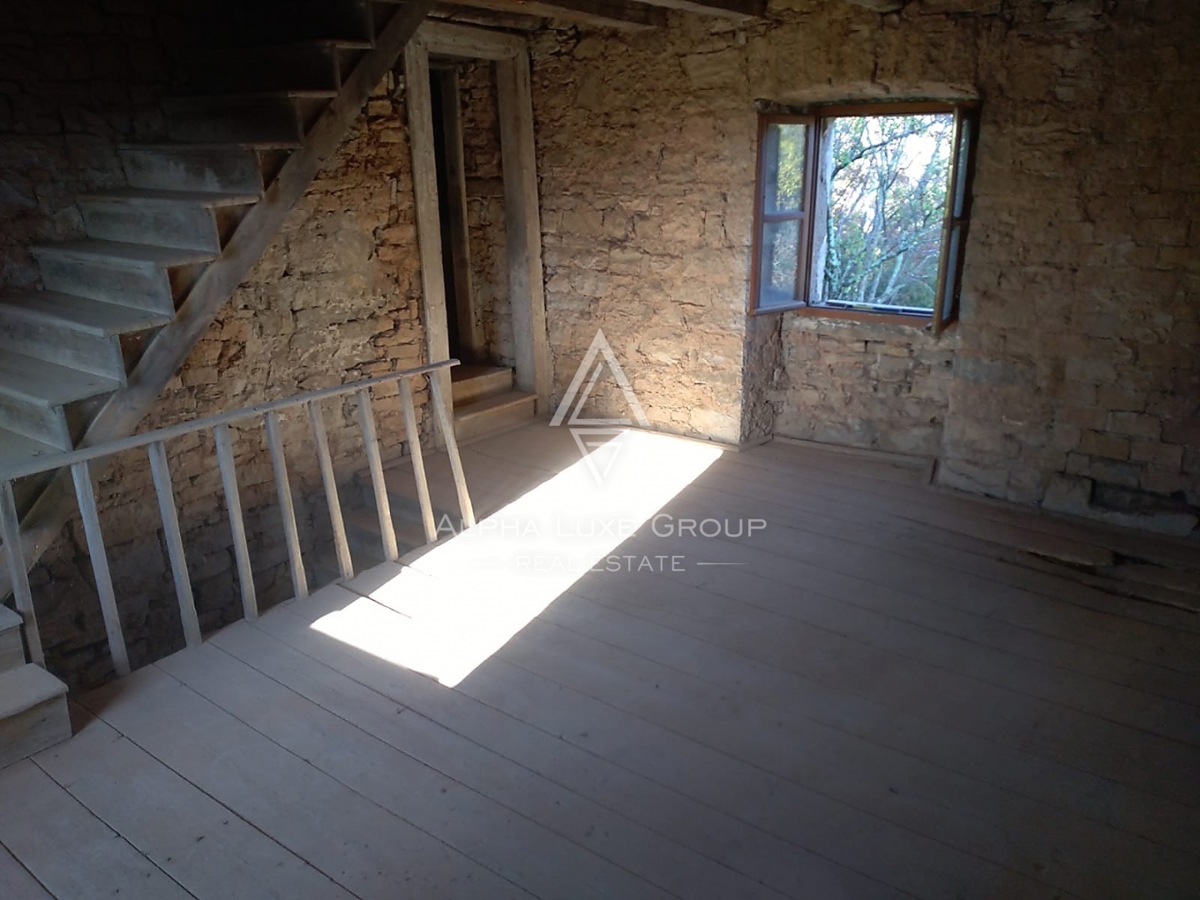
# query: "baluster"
233,502
161,473
104,587
321,440
286,506
447,427
413,436
366,422
10,531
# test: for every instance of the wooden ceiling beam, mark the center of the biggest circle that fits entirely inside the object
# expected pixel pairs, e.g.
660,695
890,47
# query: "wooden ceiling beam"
621,14
738,10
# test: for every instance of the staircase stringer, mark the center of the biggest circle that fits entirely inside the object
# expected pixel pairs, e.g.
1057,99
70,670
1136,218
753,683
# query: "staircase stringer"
171,346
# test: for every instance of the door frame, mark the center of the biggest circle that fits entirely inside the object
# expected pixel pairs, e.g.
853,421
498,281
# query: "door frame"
522,219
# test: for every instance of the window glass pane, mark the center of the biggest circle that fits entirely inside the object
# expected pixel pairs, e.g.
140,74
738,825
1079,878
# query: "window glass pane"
964,151
783,167
886,182
780,249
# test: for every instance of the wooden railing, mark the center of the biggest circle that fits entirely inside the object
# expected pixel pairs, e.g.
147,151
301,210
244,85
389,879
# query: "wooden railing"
154,441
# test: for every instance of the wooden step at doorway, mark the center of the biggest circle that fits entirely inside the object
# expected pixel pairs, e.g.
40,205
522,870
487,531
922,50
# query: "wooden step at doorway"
33,712
492,415
471,382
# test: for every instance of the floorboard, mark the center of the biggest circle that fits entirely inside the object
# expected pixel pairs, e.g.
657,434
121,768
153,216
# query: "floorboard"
67,849
890,692
200,843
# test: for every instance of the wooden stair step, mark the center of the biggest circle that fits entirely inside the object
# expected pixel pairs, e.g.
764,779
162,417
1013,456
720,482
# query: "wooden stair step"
12,648
123,255
365,539
295,65
191,220
266,115
472,382
33,712
489,415
84,314
46,384
205,166
15,448
149,196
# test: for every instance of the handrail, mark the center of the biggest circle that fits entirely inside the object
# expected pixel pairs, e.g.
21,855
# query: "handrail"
69,457
154,441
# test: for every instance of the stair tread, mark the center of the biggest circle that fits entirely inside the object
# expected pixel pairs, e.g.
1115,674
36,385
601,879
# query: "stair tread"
79,313
232,146
9,619
497,401
119,251
148,195
469,371
25,687
48,384
17,448
337,43
198,99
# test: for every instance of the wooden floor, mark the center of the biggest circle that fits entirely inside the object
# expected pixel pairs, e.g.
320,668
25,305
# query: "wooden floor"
889,691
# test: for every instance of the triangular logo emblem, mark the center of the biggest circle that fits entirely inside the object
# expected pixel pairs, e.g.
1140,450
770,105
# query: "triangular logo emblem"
595,436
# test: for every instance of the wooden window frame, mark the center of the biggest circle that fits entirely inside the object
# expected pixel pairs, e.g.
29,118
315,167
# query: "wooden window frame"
955,219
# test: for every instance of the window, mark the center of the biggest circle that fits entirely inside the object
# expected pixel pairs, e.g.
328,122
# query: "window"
863,210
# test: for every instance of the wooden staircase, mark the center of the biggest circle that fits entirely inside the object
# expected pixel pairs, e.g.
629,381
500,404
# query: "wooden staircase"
84,360
164,254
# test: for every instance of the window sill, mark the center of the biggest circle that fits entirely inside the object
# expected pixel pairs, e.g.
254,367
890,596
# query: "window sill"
860,315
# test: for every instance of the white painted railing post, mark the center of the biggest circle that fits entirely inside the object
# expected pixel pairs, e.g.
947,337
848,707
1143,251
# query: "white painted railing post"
366,422
82,475
447,427
161,472
237,526
413,435
287,507
329,481
10,532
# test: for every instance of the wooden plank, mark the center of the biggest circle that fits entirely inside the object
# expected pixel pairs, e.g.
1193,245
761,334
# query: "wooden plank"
365,849
470,326
237,526
412,434
452,39
418,99
440,406
493,835
18,883
287,507
202,845
616,14
329,482
722,836
160,471
762,652
1060,683
171,345
1088,849
99,556
10,533
871,845
617,839
523,230
67,849
366,423
743,11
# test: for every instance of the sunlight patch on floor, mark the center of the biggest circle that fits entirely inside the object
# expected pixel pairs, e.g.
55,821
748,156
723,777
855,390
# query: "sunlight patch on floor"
464,599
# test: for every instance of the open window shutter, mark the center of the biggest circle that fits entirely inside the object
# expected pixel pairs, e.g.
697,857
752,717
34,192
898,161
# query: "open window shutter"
958,212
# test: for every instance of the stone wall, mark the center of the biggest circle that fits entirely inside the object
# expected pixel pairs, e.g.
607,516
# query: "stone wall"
335,298
1073,369
485,208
